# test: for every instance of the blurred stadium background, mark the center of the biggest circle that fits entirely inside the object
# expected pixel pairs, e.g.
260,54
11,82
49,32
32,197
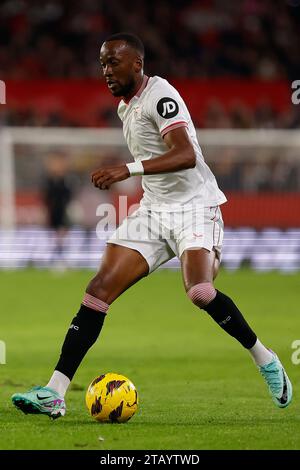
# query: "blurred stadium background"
233,63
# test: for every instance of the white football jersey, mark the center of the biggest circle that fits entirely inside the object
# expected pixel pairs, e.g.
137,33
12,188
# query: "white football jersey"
155,110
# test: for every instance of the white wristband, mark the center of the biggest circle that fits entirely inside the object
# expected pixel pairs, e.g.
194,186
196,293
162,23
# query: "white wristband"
135,168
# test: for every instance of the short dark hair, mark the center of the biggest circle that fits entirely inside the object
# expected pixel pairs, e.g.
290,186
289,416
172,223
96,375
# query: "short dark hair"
131,39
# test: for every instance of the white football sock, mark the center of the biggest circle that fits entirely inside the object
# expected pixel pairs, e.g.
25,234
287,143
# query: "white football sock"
261,355
59,382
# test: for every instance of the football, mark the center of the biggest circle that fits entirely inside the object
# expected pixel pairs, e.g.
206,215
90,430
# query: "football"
111,398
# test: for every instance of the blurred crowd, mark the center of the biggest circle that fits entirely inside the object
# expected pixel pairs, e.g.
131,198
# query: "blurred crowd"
216,116
183,38
279,172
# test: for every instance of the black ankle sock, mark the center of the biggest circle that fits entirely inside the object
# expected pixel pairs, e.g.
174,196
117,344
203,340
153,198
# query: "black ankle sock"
82,334
224,311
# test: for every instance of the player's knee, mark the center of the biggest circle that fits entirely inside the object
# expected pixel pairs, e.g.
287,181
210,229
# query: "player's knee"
98,288
202,294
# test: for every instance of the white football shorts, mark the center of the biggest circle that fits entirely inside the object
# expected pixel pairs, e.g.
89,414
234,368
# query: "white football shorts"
159,236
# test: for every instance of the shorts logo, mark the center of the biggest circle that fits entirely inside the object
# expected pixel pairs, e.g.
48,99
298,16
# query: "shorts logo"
167,108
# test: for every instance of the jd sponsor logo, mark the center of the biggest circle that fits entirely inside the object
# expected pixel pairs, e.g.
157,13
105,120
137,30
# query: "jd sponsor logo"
167,108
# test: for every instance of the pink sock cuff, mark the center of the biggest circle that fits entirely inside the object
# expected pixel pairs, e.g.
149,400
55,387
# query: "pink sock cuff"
202,294
94,303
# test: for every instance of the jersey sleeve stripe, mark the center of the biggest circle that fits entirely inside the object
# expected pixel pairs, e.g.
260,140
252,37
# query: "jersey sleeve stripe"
175,125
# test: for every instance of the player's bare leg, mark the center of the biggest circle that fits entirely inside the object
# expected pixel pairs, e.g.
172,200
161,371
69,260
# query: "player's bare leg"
199,268
121,267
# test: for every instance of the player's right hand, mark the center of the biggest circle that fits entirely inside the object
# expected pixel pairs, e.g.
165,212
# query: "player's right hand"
105,177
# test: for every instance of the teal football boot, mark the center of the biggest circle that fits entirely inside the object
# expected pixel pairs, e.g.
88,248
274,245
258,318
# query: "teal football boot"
40,400
278,382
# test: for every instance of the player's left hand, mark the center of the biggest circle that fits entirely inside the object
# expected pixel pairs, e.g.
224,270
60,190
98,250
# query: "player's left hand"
105,177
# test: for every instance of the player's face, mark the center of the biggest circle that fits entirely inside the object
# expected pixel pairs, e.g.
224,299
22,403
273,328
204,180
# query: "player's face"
121,67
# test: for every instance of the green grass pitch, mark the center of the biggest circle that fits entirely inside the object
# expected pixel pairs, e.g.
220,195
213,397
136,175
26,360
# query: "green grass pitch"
198,388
